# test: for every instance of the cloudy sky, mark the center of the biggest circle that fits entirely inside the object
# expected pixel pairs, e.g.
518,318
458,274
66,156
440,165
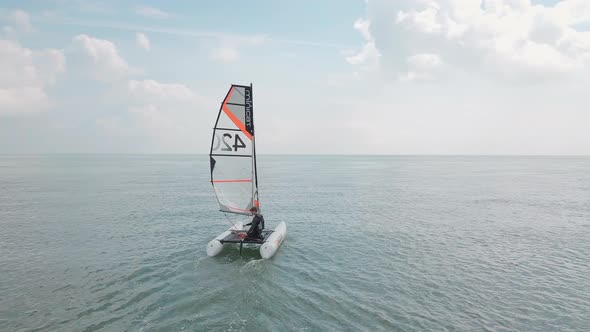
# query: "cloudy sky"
331,76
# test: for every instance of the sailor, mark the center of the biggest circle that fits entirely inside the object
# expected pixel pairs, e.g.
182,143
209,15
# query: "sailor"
255,232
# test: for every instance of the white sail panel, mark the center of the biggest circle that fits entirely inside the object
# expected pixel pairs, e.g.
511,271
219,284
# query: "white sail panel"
233,183
238,114
225,122
238,95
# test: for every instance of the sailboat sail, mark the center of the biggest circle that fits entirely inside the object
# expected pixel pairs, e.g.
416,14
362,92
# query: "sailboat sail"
233,153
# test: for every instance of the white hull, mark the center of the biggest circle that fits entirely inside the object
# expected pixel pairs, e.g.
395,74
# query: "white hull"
272,244
267,249
214,247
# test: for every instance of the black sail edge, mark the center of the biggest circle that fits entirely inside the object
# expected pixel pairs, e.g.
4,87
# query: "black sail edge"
211,160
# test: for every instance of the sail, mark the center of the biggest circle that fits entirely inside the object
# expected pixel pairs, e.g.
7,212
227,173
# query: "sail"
233,153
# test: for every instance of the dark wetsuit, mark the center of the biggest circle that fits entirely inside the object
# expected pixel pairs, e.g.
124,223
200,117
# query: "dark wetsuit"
255,232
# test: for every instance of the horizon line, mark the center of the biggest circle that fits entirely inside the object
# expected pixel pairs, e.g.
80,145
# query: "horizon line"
298,154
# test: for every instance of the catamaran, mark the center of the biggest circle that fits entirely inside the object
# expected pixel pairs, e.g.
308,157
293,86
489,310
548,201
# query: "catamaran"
234,175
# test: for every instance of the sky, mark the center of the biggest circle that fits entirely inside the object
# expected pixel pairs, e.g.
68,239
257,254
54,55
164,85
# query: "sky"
329,77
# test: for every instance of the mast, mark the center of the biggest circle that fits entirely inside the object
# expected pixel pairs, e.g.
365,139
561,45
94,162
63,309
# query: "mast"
255,183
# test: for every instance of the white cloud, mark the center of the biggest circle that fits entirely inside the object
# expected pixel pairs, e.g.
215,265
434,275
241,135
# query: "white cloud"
31,99
150,91
425,61
17,18
142,41
423,20
49,64
159,123
151,12
163,115
572,12
22,20
227,48
369,54
167,116
422,67
107,64
363,27
512,38
225,54
499,77
26,74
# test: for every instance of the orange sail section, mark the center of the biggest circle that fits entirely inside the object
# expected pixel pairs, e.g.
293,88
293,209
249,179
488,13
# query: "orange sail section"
235,120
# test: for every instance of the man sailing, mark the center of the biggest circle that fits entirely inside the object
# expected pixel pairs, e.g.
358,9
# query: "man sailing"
255,231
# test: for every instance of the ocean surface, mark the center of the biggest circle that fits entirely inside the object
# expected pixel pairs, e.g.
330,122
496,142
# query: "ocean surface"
374,243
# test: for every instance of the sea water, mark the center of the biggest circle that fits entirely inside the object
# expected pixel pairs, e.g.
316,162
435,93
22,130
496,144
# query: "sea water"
374,243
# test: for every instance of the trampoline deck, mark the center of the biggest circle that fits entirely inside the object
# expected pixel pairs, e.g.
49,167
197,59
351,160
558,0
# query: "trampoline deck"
240,237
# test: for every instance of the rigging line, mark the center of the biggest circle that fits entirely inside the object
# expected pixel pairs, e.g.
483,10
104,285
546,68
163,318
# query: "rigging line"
231,222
